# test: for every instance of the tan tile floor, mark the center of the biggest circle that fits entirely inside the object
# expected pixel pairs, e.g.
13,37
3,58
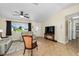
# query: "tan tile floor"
47,48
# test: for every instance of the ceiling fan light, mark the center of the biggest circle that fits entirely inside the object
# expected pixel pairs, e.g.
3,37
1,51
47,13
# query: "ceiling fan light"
22,16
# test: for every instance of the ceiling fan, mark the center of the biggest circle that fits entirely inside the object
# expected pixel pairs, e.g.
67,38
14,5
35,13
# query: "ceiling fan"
21,14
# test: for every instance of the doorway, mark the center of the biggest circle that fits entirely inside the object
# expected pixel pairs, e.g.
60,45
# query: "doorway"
73,31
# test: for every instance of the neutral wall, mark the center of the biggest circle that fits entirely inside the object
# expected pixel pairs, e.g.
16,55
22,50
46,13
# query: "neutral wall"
58,20
37,28
3,27
16,36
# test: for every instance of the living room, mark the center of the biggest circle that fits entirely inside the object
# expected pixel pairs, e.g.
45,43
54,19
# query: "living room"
39,18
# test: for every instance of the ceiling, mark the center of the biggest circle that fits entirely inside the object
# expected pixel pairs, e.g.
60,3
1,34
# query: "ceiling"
36,11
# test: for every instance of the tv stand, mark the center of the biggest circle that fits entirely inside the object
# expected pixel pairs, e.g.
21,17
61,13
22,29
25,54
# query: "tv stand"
50,33
50,36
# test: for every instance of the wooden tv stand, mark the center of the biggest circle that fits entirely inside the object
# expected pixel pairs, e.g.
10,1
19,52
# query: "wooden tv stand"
50,36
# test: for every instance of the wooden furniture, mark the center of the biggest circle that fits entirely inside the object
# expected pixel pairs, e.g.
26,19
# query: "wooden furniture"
50,33
49,36
29,43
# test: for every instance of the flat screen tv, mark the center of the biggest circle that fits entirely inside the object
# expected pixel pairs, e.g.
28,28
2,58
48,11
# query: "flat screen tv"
50,29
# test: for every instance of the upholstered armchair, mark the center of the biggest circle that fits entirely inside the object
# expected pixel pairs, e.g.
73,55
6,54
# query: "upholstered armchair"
29,42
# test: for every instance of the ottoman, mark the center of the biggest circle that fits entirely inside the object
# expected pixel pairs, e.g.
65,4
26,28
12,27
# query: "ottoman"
5,45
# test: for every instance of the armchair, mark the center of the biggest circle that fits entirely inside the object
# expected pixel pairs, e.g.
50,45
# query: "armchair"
29,43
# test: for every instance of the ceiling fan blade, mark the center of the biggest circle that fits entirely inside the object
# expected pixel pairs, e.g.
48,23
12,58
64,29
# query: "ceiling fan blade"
26,16
16,12
21,13
35,3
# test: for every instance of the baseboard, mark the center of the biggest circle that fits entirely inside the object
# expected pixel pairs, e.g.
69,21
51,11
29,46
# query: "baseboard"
63,42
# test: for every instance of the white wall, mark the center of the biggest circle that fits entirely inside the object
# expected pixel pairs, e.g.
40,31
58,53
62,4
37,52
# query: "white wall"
3,27
36,28
70,34
58,20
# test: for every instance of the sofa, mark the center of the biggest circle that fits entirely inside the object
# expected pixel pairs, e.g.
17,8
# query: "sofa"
5,44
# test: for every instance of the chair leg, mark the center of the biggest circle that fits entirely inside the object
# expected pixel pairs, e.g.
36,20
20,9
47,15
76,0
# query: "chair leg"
31,52
37,47
24,51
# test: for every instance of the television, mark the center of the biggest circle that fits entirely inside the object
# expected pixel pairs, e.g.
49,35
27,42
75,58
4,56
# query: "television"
50,29
19,27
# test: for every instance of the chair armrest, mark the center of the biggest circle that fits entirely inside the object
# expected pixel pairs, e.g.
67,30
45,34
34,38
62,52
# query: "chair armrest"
34,44
34,40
